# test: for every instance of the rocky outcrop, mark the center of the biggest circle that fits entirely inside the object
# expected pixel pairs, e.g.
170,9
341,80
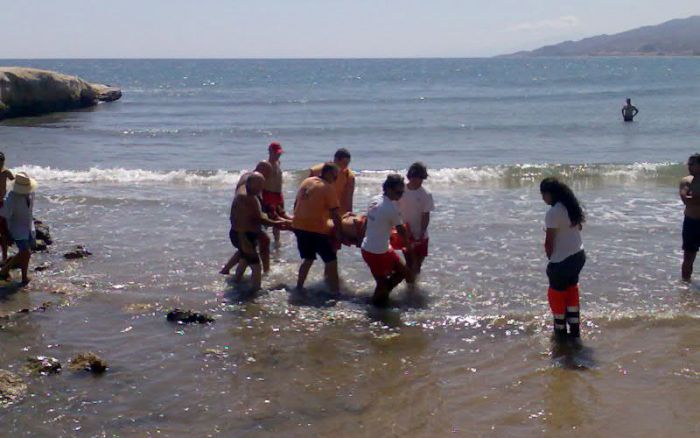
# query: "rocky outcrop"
12,388
88,362
188,316
31,92
43,365
78,252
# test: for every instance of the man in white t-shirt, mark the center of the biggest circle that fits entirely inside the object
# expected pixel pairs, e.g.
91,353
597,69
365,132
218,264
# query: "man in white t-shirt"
383,216
415,206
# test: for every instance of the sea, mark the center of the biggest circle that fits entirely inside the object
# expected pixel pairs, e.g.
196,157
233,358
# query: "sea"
145,183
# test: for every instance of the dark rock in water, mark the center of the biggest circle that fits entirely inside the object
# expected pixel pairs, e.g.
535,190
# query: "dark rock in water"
12,388
43,365
79,252
30,92
42,232
39,245
189,316
44,306
43,267
88,361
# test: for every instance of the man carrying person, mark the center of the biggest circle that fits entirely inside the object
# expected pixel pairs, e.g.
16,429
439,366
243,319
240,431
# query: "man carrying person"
629,111
690,195
415,206
382,217
272,198
315,204
247,220
345,183
265,169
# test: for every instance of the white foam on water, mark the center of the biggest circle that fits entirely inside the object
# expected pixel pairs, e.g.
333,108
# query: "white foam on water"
522,173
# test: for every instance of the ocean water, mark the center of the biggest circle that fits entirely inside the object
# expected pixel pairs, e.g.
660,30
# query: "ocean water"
146,184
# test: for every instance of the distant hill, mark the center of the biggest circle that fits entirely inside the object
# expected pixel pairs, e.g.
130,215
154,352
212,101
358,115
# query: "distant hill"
679,37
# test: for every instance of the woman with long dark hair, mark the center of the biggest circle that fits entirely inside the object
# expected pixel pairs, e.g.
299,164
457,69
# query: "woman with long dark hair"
564,249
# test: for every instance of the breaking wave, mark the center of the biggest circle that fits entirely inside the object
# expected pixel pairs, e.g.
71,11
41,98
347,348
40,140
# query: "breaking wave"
509,175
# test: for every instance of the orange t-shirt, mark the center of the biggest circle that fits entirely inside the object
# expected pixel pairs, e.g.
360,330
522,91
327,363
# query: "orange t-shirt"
315,199
341,185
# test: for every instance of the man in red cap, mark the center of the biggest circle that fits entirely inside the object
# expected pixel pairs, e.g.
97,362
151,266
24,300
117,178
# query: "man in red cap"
272,198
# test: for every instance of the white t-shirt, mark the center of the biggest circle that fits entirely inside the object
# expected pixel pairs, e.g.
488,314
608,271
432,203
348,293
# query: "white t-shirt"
412,205
567,239
382,216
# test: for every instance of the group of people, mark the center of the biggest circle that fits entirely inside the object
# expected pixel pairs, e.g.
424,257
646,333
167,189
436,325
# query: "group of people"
323,220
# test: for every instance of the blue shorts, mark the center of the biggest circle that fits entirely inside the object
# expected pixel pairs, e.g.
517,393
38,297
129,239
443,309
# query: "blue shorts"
25,244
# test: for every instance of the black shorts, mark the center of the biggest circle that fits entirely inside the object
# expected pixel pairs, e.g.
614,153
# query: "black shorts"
691,234
310,244
252,258
629,119
565,274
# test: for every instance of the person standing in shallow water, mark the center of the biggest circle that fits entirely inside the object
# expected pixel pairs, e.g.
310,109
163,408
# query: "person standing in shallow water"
629,111
344,183
272,198
690,195
564,248
5,175
383,216
18,211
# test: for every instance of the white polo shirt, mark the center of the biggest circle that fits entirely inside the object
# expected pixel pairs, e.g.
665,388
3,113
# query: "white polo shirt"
567,239
382,216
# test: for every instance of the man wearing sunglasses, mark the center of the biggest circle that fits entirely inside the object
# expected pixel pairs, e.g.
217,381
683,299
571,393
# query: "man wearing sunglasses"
382,217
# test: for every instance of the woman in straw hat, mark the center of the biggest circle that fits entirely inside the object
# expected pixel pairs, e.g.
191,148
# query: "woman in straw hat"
18,213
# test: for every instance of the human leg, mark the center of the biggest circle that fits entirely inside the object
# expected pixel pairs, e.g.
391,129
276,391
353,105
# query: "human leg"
235,258
304,272
264,242
330,273
687,267
556,295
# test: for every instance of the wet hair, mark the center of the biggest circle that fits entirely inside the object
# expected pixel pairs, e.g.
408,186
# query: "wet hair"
341,153
328,167
695,158
560,192
629,100
417,170
393,181
252,178
2,156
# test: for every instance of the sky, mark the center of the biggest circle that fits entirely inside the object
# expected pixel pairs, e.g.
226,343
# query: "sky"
312,28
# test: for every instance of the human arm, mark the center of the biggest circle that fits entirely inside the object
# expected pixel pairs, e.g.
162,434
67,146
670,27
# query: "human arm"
424,222
349,193
549,241
686,193
9,174
337,223
636,111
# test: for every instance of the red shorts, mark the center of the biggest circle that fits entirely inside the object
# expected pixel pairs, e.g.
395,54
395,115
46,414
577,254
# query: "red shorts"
381,265
272,201
420,246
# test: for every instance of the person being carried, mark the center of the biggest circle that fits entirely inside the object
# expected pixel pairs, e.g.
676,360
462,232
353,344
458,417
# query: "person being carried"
247,220
564,249
345,183
382,217
4,176
265,170
315,204
272,198
415,206
690,195
629,111
18,211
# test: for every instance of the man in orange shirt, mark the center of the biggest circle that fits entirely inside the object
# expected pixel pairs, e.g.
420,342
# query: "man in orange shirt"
345,183
315,204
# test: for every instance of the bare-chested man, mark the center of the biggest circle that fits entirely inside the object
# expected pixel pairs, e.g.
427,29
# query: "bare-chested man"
265,170
247,220
690,195
629,111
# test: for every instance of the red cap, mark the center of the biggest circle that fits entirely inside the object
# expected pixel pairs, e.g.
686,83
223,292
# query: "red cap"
275,147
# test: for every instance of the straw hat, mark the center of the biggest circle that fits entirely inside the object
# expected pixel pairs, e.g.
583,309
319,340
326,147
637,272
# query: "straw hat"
24,185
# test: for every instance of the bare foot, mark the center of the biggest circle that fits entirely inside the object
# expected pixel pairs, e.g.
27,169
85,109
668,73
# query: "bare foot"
223,271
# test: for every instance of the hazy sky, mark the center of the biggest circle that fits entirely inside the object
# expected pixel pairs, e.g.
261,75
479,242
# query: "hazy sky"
312,28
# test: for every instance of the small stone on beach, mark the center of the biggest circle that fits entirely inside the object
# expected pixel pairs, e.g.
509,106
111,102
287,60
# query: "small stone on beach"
88,361
188,316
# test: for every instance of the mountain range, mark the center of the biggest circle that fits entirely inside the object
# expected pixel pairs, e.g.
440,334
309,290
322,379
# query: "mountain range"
680,37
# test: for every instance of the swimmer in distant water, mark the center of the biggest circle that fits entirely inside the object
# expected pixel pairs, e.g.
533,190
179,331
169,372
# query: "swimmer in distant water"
690,195
564,249
629,111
